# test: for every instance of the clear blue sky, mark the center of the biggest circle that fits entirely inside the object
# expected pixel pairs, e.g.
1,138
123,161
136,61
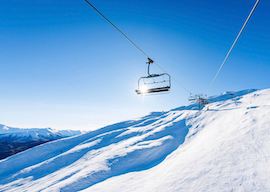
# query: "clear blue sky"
62,66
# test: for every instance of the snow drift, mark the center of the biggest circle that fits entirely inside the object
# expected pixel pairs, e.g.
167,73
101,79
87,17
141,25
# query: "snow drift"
224,147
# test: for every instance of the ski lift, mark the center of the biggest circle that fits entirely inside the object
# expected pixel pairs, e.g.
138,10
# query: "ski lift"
199,99
153,83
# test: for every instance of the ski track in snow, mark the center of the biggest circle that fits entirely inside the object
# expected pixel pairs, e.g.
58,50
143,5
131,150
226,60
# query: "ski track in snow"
224,148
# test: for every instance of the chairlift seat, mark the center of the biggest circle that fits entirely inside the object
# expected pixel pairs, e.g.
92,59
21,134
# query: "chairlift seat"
153,90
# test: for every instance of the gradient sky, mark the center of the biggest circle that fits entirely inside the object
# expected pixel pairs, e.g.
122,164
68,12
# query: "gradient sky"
62,66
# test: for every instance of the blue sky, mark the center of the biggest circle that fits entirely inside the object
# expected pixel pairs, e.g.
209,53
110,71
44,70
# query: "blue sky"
62,66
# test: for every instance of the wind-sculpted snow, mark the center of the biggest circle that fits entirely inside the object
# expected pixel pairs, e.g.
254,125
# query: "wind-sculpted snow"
77,163
227,149
223,148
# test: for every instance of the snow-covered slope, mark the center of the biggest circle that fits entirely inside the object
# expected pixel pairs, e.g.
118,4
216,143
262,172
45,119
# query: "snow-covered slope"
14,140
224,148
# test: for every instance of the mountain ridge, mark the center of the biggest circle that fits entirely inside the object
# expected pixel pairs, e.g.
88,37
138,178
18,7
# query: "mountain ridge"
14,140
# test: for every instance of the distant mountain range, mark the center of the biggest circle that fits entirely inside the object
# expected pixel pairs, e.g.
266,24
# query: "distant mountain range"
14,140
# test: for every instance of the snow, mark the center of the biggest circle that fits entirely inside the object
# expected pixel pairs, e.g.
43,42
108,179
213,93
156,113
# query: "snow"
223,147
14,140
34,133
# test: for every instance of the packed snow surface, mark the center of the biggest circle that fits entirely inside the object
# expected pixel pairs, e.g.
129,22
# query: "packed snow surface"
223,147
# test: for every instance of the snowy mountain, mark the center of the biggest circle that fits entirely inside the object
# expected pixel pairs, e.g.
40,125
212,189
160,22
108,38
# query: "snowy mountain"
223,147
14,140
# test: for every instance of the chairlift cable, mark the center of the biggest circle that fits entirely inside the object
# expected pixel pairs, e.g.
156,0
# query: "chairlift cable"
234,42
117,28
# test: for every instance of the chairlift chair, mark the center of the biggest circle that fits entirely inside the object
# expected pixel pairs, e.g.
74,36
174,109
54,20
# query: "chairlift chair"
153,83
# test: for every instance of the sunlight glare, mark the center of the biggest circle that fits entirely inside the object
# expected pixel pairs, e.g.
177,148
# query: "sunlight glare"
143,89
